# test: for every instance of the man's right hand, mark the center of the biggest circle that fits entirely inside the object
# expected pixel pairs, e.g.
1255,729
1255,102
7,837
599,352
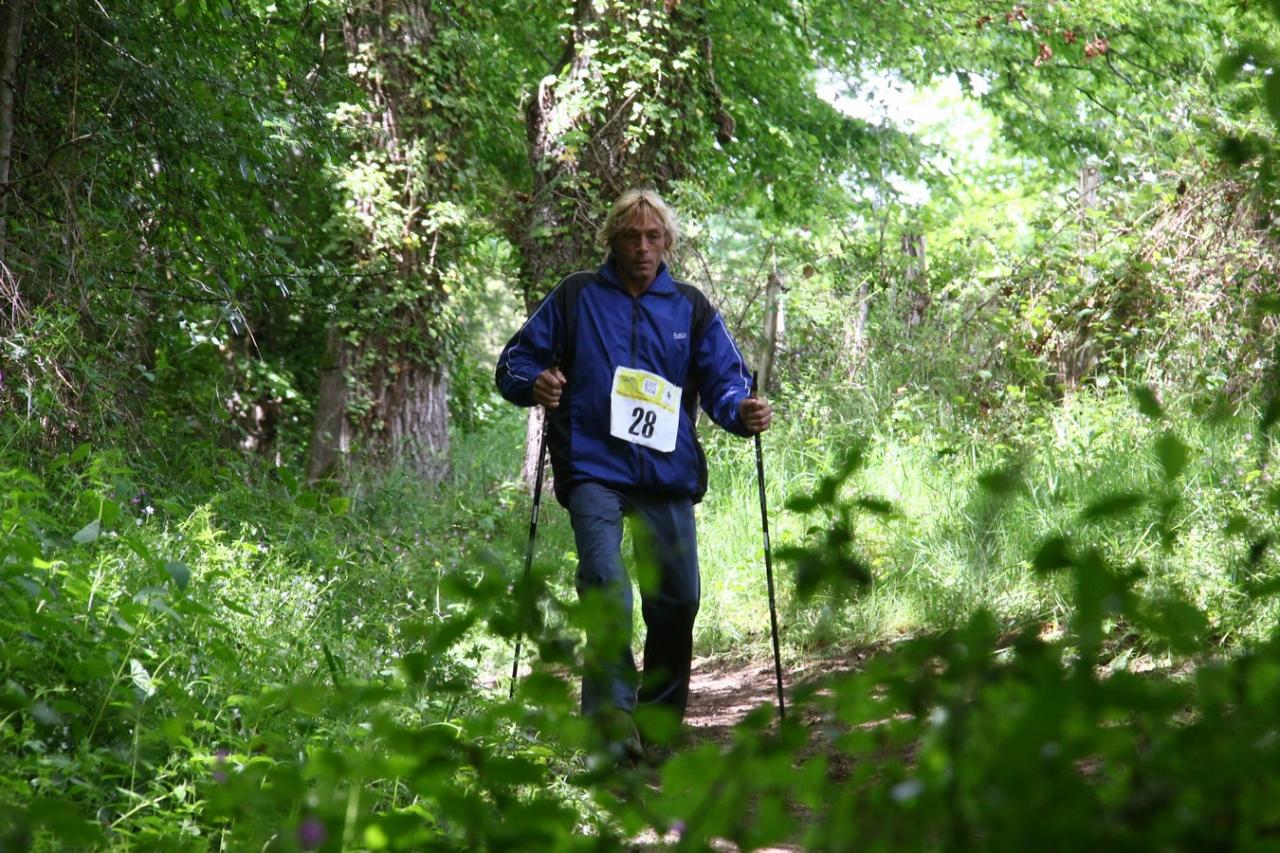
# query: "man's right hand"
548,387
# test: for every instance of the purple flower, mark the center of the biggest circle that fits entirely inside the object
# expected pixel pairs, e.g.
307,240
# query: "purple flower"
219,774
311,833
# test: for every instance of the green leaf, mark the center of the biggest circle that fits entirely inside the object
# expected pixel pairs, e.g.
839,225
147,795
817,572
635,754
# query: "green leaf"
802,503
234,607
1052,555
511,772
1148,404
1270,415
1258,550
1236,525
88,534
1112,506
876,506
1231,65
180,573
1179,623
108,512
1001,482
65,820
1173,455
332,663
1271,93
45,715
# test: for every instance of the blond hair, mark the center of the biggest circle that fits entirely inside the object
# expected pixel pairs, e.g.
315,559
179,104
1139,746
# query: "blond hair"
634,202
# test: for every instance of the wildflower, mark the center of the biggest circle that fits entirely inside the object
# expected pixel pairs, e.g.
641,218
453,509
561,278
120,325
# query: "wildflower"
219,773
311,833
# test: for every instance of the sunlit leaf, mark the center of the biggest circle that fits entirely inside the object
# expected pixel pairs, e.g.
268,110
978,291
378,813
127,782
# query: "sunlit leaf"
141,678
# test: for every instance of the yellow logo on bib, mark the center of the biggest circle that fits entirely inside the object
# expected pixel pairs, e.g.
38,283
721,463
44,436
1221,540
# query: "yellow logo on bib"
645,387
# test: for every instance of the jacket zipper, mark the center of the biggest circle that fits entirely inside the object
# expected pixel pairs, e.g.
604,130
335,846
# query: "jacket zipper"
635,327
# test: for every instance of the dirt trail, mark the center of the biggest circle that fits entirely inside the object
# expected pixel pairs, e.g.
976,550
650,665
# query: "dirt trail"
722,693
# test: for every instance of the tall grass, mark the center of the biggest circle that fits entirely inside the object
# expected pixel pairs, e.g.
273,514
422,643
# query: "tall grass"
953,545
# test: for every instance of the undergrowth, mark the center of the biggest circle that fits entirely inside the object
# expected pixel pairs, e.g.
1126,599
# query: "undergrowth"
215,655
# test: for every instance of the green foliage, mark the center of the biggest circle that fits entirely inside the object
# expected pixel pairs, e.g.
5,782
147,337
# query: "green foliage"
1034,480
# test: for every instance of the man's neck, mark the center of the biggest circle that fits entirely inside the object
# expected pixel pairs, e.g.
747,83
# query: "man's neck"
637,286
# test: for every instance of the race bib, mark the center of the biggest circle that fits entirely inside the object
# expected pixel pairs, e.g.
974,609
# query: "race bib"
644,409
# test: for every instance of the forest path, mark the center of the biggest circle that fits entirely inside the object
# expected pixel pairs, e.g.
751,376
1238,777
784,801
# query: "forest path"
722,693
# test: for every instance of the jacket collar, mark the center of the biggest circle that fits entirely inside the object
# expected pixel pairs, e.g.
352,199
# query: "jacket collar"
662,282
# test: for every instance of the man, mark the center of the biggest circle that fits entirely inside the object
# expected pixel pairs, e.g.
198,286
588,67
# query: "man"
620,358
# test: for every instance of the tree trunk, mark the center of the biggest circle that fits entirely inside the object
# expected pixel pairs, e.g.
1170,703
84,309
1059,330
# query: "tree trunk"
913,246
331,432
1077,356
384,386
14,12
533,430
855,341
773,324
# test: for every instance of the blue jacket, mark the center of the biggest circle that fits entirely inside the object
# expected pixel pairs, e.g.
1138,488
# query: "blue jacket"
653,331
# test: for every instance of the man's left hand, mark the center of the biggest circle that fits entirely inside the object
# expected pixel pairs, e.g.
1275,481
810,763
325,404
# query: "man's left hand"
756,414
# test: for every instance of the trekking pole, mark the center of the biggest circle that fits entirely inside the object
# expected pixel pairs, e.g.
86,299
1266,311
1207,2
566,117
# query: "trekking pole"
533,534
768,567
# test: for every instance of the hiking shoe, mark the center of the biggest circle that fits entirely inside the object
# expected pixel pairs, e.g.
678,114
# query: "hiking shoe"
621,738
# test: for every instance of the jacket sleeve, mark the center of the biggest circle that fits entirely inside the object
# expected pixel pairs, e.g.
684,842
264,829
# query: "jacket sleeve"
530,351
724,380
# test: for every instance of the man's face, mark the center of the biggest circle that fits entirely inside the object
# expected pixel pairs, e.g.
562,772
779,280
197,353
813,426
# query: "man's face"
638,248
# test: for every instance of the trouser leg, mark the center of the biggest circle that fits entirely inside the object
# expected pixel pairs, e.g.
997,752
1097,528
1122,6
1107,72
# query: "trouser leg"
609,668
669,601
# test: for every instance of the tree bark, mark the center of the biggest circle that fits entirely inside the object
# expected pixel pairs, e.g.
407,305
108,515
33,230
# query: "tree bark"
384,386
1076,355
913,246
331,433
773,324
14,13
533,431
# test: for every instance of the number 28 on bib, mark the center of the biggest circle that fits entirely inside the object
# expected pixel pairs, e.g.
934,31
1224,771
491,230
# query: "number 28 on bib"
644,409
